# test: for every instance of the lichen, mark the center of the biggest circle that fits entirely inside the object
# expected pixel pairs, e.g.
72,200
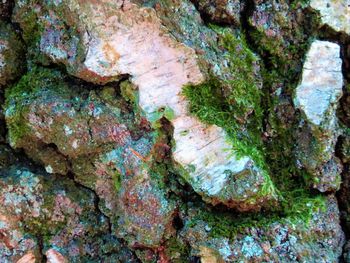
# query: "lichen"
18,98
229,225
28,18
210,106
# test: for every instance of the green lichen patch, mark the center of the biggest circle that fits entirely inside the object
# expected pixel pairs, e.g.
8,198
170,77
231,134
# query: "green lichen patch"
130,93
116,177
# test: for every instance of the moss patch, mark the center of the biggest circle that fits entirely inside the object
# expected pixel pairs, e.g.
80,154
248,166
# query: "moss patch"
209,105
238,112
176,250
227,224
18,98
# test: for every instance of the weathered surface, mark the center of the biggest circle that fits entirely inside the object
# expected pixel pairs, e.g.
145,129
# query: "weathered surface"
169,65
346,254
344,193
319,240
2,126
214,170
132,193
90,134
221,11
15,245
281,29
317,95
55,257
55,211
335,13
11,54
157,136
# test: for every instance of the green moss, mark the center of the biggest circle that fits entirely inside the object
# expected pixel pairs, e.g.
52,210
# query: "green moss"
32,30
116,177
295,4
208,104
275,157
38,78
227,224
242,94
176,250
129,93
18,98
238,112
281,150
26,15
284,50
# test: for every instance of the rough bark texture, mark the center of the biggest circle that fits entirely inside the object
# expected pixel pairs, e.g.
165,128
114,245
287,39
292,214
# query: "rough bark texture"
174,131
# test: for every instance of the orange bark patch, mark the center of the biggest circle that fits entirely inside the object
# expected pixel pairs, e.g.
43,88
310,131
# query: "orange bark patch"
111,54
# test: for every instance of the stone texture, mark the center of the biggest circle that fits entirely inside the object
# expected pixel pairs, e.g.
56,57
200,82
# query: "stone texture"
131,193
344,193
55,257
319,240
335,14
27,258
213,169
317,96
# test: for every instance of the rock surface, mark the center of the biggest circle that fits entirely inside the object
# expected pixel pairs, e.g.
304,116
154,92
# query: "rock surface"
317,95
321,83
